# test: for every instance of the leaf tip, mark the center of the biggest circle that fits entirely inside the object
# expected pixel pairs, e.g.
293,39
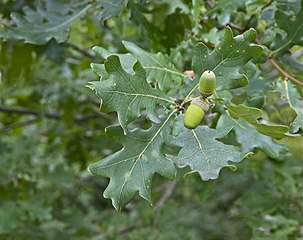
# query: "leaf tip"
91,86
189,174
90,169
247,155
232,167
228,32
95,48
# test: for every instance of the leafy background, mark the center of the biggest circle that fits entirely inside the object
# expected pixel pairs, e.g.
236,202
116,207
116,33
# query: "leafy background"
51,128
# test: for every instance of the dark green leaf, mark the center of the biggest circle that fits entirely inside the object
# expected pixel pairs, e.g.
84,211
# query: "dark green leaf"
293,26
109,8
40,26
128,94
294,99
226,59
158,67
131,169
203,153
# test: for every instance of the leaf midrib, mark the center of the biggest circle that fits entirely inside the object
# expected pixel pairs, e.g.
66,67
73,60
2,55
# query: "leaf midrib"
144,149
60,25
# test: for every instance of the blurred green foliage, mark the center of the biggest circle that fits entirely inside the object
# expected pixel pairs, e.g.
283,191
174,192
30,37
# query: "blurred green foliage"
51,129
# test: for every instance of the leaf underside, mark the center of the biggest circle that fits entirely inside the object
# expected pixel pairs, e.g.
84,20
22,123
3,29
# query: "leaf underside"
251,115
246,132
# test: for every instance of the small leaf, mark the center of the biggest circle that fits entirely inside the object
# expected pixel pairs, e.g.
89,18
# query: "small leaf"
226,60
294,99
225,8
246,132
203,153
128,94
289,5
158,67
293,26
250,115
109,8
127,60
131,169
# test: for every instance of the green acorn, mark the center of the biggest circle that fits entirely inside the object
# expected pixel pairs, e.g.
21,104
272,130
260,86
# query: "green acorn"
195,112
207,83
193,116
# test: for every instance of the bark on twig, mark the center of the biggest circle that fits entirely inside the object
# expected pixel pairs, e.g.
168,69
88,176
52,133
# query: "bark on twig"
169,189
285,74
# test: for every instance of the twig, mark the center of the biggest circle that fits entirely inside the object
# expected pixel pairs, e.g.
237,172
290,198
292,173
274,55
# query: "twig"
285,74
18,125
80,50
239,28
208,4
56,116
267,5
169,189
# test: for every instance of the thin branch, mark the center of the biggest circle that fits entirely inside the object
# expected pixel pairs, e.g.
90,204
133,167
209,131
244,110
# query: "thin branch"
208,4
18,125
169,189
267,5
80,50
18,110
56,116
285,74
234,26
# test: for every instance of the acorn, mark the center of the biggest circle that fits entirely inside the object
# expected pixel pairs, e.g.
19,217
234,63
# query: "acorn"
207,83
195,112
193,116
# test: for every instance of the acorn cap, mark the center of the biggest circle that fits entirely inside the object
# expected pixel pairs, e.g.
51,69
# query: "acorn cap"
205,94
202,103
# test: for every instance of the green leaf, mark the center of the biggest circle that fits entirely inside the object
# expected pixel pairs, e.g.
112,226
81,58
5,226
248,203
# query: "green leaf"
128,94
11,215
289,5
131,169
109,8
127,61
246,132
293,26
251,115
225,8
158,67
40,26
294,99
226,60
203,153
173,5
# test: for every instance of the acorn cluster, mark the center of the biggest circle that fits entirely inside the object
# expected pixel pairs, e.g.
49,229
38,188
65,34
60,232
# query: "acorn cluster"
195,112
